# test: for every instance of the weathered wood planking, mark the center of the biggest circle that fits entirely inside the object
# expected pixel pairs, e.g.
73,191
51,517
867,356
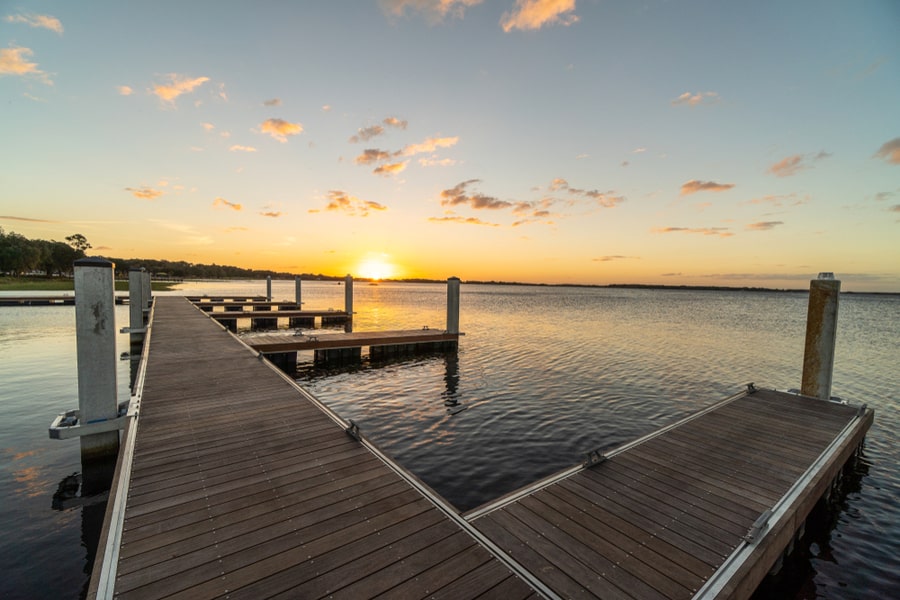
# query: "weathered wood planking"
274,314
659,519
242,486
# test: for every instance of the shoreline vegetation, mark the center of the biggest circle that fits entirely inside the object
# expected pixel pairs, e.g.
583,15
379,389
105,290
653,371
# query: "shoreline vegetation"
43,283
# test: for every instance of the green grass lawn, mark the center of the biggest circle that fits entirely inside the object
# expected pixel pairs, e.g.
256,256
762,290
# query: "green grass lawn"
62,284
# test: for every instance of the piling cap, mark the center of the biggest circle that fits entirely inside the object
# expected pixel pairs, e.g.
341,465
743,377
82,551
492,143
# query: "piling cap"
826,275
94,261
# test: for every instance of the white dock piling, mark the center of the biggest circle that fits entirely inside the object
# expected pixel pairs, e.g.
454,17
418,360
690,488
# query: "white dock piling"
136,301
297,291
821,330
95,326
269,288
453,305
147,294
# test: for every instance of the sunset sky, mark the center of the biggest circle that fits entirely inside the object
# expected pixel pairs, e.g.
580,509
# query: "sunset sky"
556,141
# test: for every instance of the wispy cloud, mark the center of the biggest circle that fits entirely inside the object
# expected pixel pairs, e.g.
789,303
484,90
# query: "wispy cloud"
372,155
274,214
715,231
145,193
607,199
280,129
882,196
41,21
26,219
695,185
534,14
463,220
434,11
223,203
13,61
436,162
125,90
339,201
207,126
239,148
780,199
176,86
895,208
390,169
395,123
272,102
791,165
615,257
764,225
429,145
459,195
366,133
890,151
696,99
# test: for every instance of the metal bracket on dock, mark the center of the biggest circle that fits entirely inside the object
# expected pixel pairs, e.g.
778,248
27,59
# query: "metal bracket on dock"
353,430
862,410
759,527
133,330
594,457
751,388
68,425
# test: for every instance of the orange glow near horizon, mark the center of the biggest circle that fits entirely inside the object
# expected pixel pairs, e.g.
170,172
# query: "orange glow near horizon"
375,268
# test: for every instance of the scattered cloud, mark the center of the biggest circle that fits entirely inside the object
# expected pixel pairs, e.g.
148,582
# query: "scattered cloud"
145,193
326,107
429,145
458,195
391,169
463,220
696,99
639,150
716,231
13,61
895,208
434,11
889,151
272,102
223,203
534,14
435,162
607,199
764,225
695,185
233,229
343,202
366,133
176,86
779,200
42,21
791,165
207,126
280,129
239,148
395,122
125,90
222,93
882,196
615,257
271,213
372,155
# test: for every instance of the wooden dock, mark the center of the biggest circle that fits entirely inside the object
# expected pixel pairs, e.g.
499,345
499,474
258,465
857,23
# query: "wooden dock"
234,482
59,300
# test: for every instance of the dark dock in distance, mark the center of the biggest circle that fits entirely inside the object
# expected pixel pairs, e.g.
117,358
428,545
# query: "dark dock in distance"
65,300
268,319
235,481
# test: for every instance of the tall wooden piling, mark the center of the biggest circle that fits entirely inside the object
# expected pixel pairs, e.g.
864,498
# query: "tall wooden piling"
453,305
95,326
348,302
297,291
269,288
821,334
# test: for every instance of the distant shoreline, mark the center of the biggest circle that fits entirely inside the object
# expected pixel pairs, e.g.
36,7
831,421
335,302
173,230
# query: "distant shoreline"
64,283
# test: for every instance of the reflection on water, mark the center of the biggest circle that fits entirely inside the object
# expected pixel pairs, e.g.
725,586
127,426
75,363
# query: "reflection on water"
545,374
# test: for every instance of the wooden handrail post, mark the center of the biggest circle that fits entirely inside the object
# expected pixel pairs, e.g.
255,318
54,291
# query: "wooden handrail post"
95,329
821,330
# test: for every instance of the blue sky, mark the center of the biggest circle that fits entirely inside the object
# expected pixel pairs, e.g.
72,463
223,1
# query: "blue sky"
717,143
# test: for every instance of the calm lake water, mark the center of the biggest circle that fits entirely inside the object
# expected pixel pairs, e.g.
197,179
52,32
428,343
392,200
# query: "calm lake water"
542,375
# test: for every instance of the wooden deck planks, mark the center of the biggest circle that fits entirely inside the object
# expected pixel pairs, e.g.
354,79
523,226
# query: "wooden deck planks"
289,342
667,513
242,486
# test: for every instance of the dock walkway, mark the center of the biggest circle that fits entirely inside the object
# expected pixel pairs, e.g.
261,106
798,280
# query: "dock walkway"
234,482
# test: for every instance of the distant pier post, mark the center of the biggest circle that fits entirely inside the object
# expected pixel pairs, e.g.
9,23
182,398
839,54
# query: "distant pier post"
821,334
269,288
453,305
348,302
95,328
297,291
147,294
136,301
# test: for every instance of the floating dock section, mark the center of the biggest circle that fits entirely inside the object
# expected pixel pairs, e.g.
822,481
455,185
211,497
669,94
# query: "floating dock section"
235,482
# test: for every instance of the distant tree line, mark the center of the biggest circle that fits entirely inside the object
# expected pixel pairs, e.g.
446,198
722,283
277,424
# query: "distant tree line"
20,255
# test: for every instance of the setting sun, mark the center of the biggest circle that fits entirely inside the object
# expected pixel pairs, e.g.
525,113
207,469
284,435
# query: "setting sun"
374,268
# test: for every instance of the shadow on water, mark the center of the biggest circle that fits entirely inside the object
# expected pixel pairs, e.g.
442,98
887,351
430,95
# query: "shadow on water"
89,491
796,579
